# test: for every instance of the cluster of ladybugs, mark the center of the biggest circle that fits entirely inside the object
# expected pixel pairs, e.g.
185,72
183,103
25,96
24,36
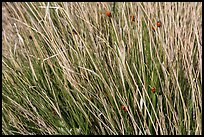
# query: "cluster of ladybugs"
153,28
108,13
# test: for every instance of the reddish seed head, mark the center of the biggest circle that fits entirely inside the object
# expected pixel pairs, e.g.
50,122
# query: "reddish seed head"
132,18
153,90
158,23
108,13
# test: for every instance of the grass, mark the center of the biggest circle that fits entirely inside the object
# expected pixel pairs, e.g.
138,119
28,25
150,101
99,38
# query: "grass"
67,68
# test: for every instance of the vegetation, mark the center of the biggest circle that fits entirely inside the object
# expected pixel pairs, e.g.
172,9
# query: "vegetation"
102,68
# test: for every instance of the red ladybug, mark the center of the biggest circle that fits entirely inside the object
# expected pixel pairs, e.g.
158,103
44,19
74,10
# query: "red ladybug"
153,90
132,18
108,13
124,108
158,23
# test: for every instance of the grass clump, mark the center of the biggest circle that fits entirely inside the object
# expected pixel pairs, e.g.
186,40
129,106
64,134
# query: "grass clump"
90,68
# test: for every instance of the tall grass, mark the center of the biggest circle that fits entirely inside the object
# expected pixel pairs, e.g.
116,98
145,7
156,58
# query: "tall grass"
69,69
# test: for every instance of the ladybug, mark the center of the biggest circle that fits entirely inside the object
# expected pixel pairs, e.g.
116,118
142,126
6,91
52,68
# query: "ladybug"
124,108
158,23
108,13
153,90
132,18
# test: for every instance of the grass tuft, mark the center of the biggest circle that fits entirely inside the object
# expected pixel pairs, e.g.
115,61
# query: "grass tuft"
102,68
